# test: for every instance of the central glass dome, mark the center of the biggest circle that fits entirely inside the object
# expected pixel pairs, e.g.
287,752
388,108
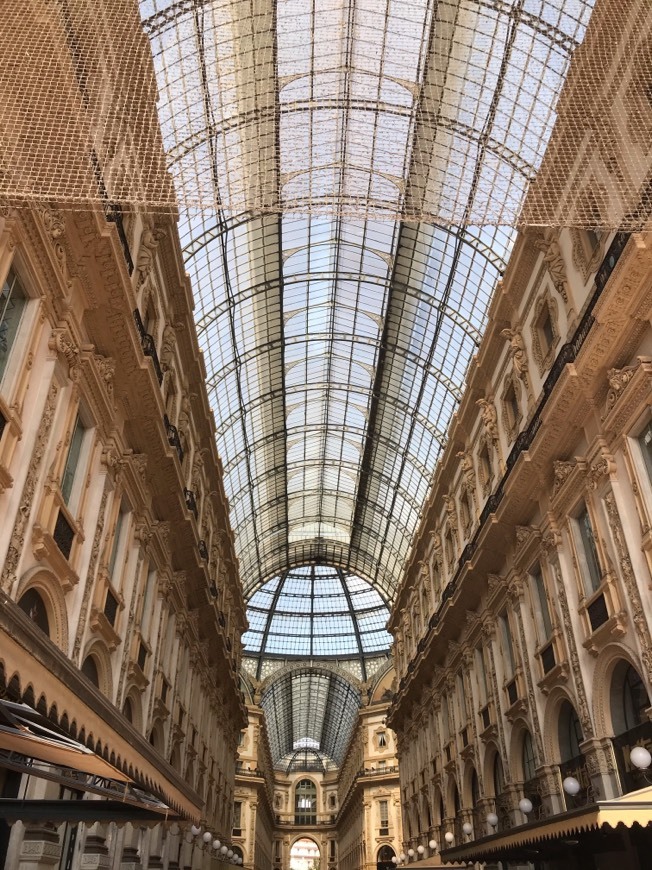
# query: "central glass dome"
316,611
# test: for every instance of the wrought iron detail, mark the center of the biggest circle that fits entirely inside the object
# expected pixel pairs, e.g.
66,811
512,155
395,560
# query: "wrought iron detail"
191,501
173,437
148,345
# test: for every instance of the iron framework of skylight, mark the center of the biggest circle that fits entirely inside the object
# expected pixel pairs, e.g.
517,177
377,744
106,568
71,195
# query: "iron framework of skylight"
310,709
316,612
336,345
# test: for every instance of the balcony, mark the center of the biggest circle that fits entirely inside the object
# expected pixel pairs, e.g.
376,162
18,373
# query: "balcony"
191,502
172,434
148,345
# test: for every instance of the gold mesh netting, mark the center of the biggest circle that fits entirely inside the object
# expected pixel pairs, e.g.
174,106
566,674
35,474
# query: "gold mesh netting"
449,111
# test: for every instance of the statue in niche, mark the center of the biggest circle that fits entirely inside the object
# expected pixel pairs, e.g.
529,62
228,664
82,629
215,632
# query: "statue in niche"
149,242
489,418
517,350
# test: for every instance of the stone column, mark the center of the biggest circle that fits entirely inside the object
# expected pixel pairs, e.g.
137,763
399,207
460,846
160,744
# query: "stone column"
96,853
40,848
130,859
156,847
601,767
552,798
516,817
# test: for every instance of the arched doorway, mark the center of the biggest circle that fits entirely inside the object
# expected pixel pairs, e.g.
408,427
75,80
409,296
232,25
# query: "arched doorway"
629,701
304,854
305,802
384,858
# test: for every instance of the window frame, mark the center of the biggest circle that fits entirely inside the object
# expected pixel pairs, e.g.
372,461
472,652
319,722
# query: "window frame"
11,362
591,582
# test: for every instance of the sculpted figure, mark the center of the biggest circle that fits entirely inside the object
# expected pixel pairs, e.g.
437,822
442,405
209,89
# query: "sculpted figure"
489,418
517,350
149,242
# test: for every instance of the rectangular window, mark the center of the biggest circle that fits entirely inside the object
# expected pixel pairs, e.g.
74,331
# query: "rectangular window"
148,604
72,460
645,443
445,721
540,605
237,815
13,300
461,694
508,649
589,555
481,674
117,541
383,812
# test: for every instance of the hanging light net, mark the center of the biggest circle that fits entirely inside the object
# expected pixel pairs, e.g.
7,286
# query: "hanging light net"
456,112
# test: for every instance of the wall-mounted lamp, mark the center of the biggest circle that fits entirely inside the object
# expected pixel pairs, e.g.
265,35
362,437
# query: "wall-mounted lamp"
571,786
492,819
640,757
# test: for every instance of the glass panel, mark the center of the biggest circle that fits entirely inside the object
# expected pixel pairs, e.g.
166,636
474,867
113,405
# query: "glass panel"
592,573
506,642
337,333
540,605
317,611
13,300
645,442
72,460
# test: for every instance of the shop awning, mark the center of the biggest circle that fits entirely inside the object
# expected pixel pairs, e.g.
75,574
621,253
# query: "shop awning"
30,744
565,829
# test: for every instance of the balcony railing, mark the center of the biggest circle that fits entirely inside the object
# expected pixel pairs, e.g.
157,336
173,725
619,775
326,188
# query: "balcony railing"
191,501
173,437
576,767
148,345
304,819
113,214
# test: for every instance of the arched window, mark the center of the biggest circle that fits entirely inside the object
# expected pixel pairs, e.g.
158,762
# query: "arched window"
128,710
89,669
629,699
527,758
305,803
34,606
570,733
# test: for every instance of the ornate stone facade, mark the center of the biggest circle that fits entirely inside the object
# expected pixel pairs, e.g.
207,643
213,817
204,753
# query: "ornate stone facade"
543,619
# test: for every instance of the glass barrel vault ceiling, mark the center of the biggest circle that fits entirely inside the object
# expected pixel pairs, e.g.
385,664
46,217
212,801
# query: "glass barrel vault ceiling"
336,332
310,715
